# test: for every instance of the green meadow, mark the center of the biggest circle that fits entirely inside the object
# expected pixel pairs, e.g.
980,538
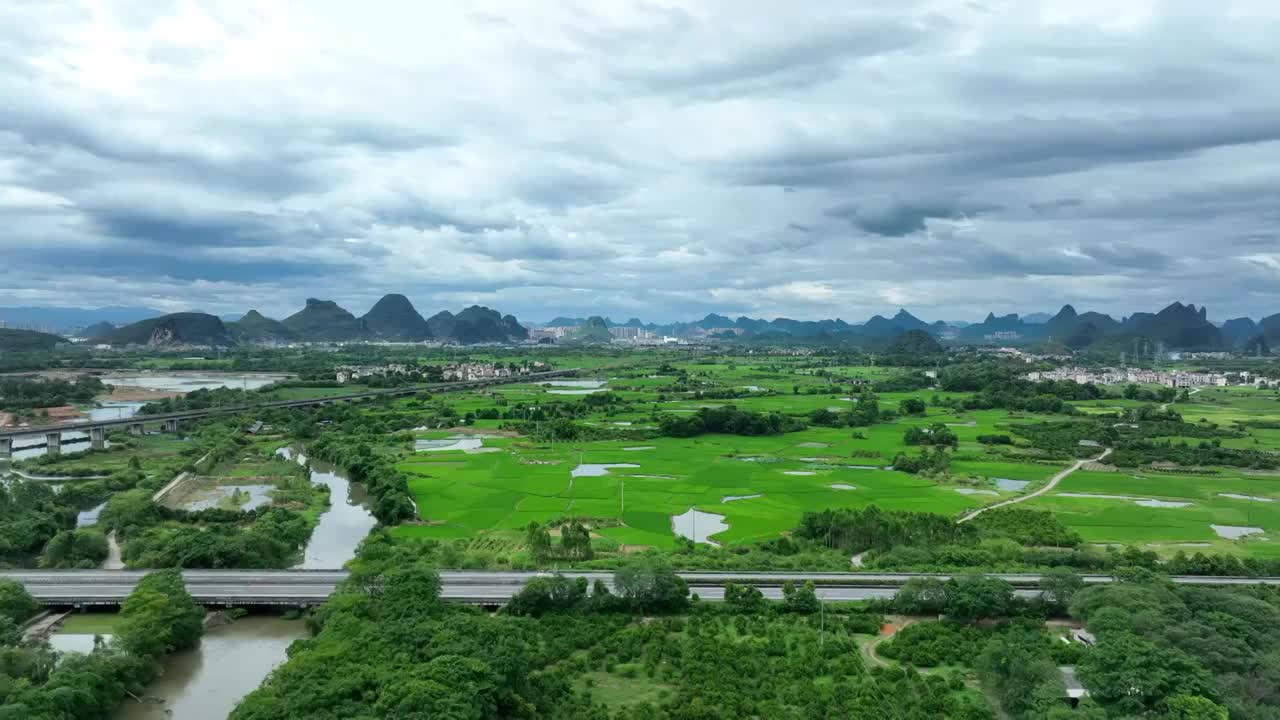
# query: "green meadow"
759,485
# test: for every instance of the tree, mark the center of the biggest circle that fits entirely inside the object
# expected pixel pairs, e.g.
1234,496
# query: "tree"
800,598
744,599
911,406
1193,707
649,584
978,597
1058,586
1132,675
83,548
538,538
921,596
15,602
159,616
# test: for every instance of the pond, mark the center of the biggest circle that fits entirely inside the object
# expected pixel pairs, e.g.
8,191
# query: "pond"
250,497
973,491
598,469
1011,485
457,443
698,526
188,382
579,387
1235,532
842,486
734,498
1254,498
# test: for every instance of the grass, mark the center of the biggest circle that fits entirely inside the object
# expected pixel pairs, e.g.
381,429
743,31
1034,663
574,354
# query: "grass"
90,623
617,691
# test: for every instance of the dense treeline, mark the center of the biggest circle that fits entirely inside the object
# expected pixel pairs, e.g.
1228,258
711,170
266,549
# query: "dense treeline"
25,393
386,647
861,529
1160,646
728,420
158,617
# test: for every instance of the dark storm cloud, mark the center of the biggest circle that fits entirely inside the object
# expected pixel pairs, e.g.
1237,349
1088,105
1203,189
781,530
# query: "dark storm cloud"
897,219
171,228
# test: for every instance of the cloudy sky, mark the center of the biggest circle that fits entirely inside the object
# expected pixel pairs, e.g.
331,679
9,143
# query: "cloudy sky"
652,158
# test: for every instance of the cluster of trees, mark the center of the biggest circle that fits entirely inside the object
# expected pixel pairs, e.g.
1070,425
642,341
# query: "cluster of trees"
388,488
1162,649
158,617
386,647
271,538
727,420
1205,452
28,392
856,530
33,515
575,542
935,435
931,462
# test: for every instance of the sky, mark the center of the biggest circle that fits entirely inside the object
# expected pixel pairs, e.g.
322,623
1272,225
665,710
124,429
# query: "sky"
659,159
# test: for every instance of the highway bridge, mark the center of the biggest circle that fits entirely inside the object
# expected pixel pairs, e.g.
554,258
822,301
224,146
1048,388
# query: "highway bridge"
50,436
83,588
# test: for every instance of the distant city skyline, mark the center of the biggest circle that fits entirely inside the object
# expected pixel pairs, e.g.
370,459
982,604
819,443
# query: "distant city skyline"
635,159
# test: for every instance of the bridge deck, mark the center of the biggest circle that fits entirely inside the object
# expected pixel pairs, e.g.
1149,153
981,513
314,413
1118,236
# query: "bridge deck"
311,587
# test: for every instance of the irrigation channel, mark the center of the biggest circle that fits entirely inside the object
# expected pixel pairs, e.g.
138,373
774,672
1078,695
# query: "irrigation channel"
233,659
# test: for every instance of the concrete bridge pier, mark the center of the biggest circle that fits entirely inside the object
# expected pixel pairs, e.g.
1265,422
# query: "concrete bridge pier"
6,448
53,444
170,426
98,438
135,429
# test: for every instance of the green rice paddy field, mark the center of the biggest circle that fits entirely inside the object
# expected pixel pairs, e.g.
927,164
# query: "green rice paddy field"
762,485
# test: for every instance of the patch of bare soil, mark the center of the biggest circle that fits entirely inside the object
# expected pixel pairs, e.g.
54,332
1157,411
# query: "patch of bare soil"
137,394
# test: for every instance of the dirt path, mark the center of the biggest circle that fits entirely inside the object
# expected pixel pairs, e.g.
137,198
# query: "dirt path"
869,650
1053,482
1189,394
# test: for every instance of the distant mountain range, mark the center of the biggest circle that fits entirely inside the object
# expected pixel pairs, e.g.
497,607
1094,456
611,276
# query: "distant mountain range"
393,318
1177,326
66,319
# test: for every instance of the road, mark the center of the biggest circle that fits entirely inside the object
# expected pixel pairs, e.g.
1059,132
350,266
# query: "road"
310,587
1053,483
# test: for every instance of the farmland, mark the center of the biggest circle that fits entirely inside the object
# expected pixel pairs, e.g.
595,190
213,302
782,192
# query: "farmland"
631,481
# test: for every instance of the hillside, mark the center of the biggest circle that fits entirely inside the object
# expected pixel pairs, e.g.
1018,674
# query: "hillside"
97,330
1270,327
1177,326
27,340
255,327
594,330
479,324
1238,331
187,328
394,318
324,321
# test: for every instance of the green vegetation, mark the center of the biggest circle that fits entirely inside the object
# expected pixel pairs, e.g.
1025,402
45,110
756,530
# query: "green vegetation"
26,393
588,656
24,341
186,328
158,617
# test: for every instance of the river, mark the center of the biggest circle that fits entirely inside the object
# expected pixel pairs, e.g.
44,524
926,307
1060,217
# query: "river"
232,660
207,682
343,525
